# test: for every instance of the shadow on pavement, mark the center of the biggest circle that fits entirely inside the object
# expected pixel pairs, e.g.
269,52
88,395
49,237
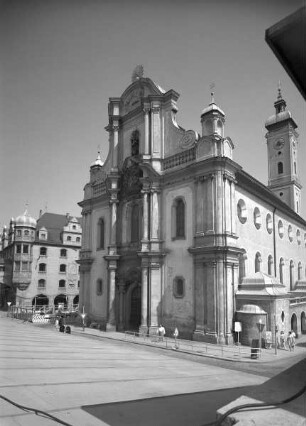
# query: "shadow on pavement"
199,408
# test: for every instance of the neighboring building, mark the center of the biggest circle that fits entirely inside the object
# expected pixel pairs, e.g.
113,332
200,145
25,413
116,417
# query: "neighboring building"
40,261
287,40
176,232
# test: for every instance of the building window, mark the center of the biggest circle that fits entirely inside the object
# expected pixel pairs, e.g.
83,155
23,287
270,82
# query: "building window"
135,143
291,274
63,253
298,237
43,251
62,283
25,249
281,270
257,218
17,266
135,223
25,266
178,287
99,287
73,227
26,233
280,168
18,248
242,259
242,211
79,284
42,236
280,229
101,234
68,238
270,265
269,223
178,219
257,262
290,233
300,271
42,267
42,283
62,268
78,239
18,233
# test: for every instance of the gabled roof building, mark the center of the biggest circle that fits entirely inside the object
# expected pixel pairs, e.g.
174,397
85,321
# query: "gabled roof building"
40,260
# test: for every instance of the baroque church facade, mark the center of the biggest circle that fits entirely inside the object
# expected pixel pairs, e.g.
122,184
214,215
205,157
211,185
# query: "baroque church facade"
176,232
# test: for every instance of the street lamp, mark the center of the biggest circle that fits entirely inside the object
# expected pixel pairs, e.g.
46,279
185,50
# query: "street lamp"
8,310
260,326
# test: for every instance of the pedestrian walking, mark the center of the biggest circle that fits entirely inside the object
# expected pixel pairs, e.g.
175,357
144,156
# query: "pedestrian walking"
175,335
282,340
161,332
293,335
289,341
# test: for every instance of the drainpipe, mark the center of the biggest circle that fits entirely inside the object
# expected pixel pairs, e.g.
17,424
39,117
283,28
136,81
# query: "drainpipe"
274,242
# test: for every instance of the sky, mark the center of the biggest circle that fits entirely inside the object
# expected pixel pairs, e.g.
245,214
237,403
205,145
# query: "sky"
61,61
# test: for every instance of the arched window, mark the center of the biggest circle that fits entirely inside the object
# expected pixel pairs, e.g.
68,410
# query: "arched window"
135,223
291,274
69,238
300,271
178,218
280,168
99,287
62,283
42,267
43,251
62,268
178,287
101,234
242,259
281,270
257,262
270,265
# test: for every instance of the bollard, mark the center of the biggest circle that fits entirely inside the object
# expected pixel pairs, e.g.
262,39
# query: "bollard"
68,329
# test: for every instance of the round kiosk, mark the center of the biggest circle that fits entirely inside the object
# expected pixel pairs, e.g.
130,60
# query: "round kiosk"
253,321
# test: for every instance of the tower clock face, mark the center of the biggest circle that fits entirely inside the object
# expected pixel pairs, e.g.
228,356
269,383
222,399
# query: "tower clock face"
279,144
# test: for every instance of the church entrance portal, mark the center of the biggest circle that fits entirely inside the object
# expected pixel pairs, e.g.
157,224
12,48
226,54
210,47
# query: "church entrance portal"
294,323
135,311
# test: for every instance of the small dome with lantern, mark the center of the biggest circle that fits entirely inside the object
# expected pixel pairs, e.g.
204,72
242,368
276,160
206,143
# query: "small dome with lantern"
98,162
212,119
25,220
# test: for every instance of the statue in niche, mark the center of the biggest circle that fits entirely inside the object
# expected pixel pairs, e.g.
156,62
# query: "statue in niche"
135,143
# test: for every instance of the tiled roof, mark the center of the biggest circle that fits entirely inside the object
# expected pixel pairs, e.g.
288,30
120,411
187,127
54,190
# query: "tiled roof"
54,223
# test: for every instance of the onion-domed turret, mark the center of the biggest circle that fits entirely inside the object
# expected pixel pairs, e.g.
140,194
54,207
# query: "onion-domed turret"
25,220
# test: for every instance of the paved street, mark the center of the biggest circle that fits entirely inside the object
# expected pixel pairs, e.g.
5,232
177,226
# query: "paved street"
61,373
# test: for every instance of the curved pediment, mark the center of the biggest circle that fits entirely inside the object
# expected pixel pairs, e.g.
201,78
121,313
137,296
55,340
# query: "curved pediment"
139,89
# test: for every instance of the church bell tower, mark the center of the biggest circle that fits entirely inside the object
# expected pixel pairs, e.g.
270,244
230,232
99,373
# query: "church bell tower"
282,141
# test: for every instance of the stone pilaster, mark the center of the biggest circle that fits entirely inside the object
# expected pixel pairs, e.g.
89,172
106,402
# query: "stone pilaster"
144,299
115,130
147,132
121,291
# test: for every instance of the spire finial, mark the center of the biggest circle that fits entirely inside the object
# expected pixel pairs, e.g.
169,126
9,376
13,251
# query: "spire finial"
212,86
279,89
